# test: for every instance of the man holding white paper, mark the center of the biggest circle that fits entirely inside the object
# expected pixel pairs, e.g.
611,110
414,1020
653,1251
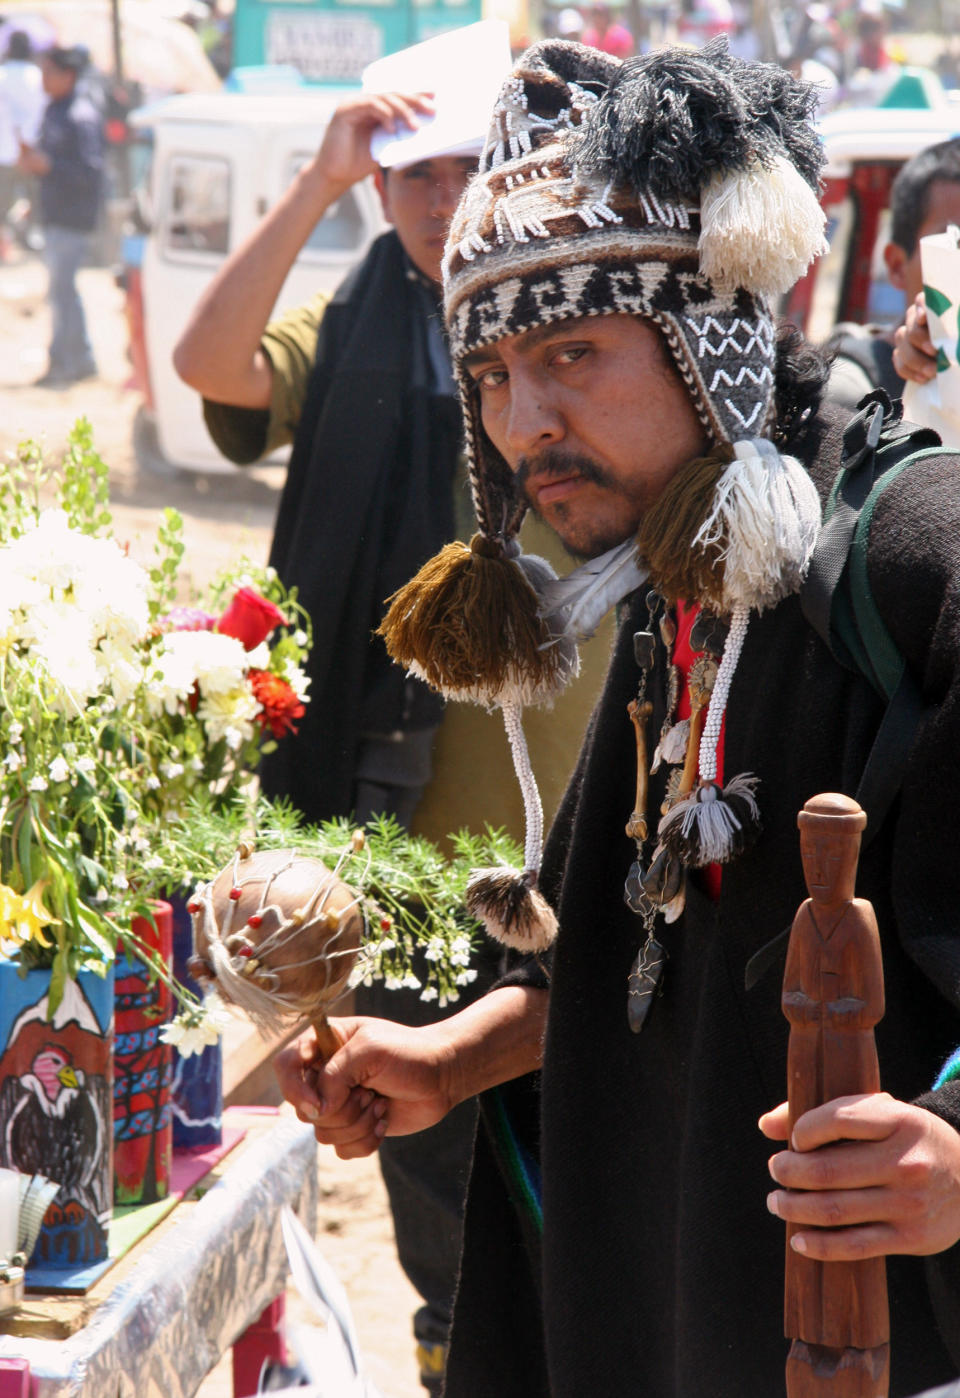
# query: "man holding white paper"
924,201
362,380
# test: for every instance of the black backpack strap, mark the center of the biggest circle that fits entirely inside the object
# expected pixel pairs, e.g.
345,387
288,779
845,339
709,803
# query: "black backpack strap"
828,563
880,782
886,766
836,597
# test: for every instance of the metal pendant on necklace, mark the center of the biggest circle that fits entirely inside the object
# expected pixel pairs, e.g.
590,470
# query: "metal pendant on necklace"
644,981
647,968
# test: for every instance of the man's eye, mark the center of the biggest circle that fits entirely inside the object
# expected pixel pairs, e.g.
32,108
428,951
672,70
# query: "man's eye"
490,378
570,354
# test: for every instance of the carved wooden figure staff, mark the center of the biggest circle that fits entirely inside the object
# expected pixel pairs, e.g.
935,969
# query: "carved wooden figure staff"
836,1313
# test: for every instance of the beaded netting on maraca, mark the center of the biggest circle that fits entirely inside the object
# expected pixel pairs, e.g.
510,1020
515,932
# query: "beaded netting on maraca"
239,953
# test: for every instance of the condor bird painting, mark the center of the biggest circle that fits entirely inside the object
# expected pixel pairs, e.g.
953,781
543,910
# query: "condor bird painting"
55,1117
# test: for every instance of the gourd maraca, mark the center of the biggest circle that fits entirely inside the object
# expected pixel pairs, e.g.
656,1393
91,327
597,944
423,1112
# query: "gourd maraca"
277,933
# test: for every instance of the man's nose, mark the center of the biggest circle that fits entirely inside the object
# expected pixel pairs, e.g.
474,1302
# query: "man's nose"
533,420
446,197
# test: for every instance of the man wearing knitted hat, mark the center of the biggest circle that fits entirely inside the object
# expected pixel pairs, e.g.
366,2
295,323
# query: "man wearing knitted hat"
609,286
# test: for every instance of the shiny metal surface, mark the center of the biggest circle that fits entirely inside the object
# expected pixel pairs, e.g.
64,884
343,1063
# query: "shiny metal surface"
208,1277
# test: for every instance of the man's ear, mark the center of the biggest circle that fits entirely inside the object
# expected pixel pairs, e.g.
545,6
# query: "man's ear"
896,259
380,181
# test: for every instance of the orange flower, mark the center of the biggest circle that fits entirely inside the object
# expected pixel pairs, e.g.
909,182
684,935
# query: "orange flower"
278,701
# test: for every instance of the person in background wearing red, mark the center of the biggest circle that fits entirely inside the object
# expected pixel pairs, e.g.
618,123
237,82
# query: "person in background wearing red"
608,34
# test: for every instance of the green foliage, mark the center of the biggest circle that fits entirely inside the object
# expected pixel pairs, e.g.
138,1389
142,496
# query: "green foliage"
99,746
84,483
169,549
412,897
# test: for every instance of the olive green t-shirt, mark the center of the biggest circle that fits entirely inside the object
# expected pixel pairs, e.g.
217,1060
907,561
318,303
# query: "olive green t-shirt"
244,435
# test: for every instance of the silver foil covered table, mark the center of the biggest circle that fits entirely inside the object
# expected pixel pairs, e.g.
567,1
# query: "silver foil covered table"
198,1281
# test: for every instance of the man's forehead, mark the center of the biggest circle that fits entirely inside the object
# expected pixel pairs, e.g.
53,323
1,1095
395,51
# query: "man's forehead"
529,339
438,166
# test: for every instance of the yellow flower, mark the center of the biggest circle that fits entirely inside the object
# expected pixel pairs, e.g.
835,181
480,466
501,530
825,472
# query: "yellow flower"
23,916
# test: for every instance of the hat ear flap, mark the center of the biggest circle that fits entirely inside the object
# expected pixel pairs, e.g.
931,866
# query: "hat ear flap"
760,228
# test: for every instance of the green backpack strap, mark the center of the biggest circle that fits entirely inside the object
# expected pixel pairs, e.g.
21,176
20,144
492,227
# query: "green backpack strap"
837,600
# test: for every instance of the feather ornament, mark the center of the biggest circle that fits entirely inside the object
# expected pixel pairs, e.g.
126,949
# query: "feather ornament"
672,747
574,606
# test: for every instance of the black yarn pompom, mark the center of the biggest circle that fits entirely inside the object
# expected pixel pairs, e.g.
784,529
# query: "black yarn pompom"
673,118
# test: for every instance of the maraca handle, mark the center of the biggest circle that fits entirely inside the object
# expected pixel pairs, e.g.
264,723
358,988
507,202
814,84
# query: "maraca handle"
327,1040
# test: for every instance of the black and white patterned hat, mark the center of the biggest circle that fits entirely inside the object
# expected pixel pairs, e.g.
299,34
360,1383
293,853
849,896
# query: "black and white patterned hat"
679,187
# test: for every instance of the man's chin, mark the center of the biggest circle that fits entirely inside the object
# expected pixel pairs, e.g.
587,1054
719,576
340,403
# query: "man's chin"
582,548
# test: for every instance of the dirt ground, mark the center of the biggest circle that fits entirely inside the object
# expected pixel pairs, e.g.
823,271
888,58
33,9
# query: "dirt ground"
224,516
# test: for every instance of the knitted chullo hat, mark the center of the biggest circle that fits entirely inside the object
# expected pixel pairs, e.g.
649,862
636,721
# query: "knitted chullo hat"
679,187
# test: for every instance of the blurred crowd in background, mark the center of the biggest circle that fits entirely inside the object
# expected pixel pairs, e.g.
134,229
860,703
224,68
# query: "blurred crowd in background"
851,49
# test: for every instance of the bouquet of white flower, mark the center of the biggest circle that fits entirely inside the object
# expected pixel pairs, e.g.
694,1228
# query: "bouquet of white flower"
116,705
225,680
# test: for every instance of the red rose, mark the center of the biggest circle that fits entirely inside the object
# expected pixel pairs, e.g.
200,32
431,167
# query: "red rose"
250,618
278,701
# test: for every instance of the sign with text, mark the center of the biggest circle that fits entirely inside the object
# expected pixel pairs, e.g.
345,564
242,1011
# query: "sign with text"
324,47
332,41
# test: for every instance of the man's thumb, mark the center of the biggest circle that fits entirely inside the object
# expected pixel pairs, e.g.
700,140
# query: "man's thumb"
335,1080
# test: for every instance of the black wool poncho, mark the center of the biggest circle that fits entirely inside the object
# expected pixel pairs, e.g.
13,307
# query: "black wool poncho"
659,1271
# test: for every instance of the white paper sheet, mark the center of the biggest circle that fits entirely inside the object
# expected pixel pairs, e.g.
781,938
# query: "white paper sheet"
937,404
464,69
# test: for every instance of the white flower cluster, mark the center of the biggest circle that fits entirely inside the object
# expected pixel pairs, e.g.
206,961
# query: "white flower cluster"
216,666
78,605
450,968
195,1028
296,678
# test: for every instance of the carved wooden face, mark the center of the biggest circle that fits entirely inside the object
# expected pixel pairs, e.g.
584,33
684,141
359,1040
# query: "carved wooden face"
829,864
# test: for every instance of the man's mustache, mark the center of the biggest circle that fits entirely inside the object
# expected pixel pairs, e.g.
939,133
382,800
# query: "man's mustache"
557,464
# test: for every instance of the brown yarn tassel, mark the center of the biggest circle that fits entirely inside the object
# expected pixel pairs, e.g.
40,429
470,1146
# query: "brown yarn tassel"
468,624
664,540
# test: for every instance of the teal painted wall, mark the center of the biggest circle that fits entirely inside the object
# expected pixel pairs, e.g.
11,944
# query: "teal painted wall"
331,41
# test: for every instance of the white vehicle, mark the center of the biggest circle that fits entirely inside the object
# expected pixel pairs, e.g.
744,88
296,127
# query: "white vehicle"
865,147
220,161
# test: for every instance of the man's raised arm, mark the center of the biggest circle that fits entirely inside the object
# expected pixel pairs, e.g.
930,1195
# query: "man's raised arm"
219,352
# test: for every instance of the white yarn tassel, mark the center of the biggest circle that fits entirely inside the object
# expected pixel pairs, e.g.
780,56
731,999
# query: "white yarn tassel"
712,826
760,228
764,522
